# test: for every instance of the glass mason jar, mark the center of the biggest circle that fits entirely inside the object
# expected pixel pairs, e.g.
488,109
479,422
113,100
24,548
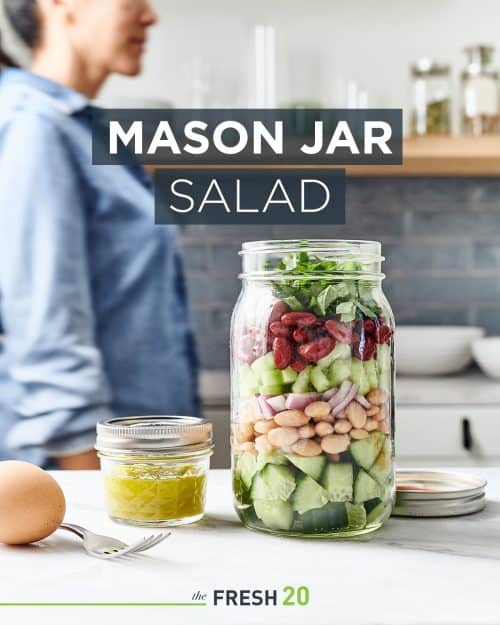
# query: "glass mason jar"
431,98
480,102
312,400
155,468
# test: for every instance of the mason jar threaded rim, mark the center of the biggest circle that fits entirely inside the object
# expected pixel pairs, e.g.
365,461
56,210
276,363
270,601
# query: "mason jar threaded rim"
257,254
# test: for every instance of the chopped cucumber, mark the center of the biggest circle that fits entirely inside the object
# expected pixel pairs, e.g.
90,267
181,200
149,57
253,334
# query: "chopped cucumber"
384,360
308,495
356,515
270,389
276,515
340,371
247,465
340,350
330,517
319,380
241,492
301,384
264,363
381,468
371,373
376,514
337,481
366,450
272,377
310,466
259,488
274,482
359,377
371,503
365,487
276,457
249,381
288,375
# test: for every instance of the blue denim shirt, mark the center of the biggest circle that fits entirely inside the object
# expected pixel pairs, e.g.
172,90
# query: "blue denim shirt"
92,293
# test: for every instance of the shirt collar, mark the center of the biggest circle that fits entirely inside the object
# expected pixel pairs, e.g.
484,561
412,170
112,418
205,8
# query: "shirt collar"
65,99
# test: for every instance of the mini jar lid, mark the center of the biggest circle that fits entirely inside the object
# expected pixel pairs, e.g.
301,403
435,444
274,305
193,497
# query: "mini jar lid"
171,435
422,493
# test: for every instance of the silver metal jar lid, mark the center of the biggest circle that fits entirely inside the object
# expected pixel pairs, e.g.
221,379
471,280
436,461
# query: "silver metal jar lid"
422,493
173,435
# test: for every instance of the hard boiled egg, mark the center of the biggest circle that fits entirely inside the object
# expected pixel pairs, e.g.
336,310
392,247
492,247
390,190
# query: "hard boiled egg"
32,504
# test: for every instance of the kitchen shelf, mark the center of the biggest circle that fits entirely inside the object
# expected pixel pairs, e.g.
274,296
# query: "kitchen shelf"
441,156
422,156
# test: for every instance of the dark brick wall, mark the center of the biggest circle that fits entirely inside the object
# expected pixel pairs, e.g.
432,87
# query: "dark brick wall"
441,238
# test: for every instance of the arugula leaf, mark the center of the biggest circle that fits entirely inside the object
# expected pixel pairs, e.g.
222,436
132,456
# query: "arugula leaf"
324,296
366,311
347,311
327,297
293,303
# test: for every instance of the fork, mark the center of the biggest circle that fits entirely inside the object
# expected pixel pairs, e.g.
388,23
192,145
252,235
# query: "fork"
108,548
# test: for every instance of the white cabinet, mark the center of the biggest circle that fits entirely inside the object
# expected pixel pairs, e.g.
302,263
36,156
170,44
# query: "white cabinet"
445,434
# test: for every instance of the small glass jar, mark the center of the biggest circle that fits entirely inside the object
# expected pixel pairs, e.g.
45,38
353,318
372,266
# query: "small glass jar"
312,403
431,98
155,468
480,102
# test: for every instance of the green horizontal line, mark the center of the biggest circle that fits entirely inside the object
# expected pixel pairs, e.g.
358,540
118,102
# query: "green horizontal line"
116,604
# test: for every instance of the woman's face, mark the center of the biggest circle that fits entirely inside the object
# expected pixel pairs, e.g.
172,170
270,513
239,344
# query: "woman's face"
111,34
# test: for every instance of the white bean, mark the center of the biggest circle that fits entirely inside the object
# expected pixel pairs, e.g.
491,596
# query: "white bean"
291,418
307,448
307,431
335,443
358,434
356,414
283,436
323,428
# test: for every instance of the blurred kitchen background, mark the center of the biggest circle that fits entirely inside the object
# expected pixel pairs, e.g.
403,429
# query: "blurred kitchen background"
438,215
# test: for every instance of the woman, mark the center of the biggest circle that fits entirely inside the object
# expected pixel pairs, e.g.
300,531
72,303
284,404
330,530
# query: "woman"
92,294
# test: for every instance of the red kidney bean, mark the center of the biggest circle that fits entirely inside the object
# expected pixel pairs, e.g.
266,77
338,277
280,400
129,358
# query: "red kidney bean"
298,364
278,310
317,349
369,326
365,348
282,352
302,335
299,319
383,334
339,331
269,340
278,329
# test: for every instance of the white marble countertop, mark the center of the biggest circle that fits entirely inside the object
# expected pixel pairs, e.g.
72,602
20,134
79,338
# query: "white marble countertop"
411,572
470,388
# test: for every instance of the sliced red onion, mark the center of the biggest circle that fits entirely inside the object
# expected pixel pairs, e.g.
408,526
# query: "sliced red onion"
298,401
363,402
327,395
265,408
345,402
277,403
339,396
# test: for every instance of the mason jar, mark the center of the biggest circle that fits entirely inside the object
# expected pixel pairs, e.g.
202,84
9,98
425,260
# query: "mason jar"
480,96
312,405
155,468
431,110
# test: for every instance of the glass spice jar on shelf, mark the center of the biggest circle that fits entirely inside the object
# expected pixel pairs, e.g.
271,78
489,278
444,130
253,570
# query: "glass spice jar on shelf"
312,429
431,98
480,104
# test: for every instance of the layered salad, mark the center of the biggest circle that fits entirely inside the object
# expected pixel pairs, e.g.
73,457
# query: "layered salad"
311,429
